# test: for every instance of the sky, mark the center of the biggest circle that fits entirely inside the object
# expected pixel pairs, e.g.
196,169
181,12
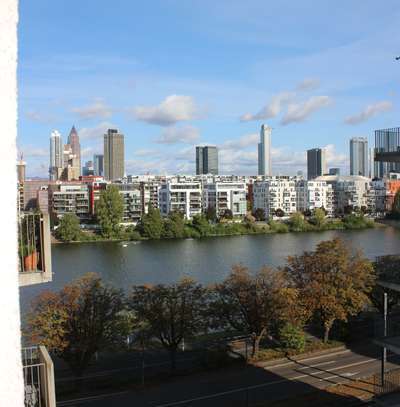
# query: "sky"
171,74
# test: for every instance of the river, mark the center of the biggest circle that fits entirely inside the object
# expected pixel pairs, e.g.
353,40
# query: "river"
206,260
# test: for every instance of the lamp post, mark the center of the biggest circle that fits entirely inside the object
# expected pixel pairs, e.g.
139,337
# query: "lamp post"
384,353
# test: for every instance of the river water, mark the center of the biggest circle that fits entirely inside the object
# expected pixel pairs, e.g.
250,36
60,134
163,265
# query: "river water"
206,260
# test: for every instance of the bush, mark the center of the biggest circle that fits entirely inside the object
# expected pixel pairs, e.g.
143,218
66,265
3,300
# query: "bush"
278,227
357,222
292,337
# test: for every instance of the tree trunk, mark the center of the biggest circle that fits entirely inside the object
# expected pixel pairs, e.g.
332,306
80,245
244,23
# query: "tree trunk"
256,339
327,329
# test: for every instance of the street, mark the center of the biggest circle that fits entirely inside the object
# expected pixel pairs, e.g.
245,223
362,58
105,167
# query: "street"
247,386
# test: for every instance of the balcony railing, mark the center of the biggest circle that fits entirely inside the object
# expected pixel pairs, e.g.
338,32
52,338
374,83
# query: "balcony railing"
38,372
34,248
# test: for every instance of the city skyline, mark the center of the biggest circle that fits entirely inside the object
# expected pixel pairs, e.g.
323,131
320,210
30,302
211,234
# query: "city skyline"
166,103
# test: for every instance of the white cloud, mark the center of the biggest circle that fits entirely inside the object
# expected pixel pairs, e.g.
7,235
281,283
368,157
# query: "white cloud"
308,84
240,143
298,112
97,110
173,135
334,158
147,152
39,117
272,109
96,132
369,111
33,152
173,109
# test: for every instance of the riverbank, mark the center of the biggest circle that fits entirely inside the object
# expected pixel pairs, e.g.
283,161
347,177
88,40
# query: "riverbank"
295,224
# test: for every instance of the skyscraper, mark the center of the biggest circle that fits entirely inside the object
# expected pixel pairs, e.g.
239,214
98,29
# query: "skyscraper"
387,143
371,162
264,151
56,154
114,155
316,163
73,141
206,160
359,156
98,160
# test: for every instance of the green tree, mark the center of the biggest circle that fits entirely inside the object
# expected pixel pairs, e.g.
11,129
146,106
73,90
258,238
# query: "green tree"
151,224
297,222
77,321
109,211
292,337
227,214
174,226
201,224
333,283
279,213
211,214
68,229
259,214
249,303
319,218
171,313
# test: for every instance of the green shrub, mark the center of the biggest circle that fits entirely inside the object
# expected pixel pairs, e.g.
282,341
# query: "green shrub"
278,227
292,337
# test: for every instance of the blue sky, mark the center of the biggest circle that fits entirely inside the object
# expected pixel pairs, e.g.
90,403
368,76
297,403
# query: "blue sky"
171,74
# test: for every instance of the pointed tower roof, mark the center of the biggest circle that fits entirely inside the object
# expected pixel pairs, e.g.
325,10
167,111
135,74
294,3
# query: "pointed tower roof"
73,130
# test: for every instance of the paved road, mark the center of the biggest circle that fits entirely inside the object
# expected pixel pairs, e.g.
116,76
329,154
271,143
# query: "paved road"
247,386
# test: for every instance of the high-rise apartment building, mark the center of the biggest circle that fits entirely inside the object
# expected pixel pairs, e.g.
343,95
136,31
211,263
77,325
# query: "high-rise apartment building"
206,160
21,168
264,151
371,163
316,163
98,164
387,151
114,161
359,156
73,141
56,154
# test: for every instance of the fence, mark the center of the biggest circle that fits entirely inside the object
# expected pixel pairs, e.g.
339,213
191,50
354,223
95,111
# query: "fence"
390,384
38,377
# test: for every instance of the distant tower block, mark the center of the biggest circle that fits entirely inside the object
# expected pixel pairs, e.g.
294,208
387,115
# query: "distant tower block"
21,169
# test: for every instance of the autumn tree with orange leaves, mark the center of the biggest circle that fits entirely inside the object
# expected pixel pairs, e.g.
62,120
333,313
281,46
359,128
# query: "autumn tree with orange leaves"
250,303
333,283
77,321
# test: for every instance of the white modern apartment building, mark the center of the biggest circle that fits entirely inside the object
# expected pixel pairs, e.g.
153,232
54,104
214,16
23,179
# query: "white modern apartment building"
132,198
70,198
150,194
349,192
225,195
314,194
185,197
275,193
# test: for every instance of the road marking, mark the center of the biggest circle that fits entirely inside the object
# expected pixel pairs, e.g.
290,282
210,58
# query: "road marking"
316,365
89,398
177,403
308,359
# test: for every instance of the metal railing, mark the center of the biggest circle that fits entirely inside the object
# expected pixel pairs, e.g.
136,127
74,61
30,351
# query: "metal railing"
34,248
390,384
38,373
